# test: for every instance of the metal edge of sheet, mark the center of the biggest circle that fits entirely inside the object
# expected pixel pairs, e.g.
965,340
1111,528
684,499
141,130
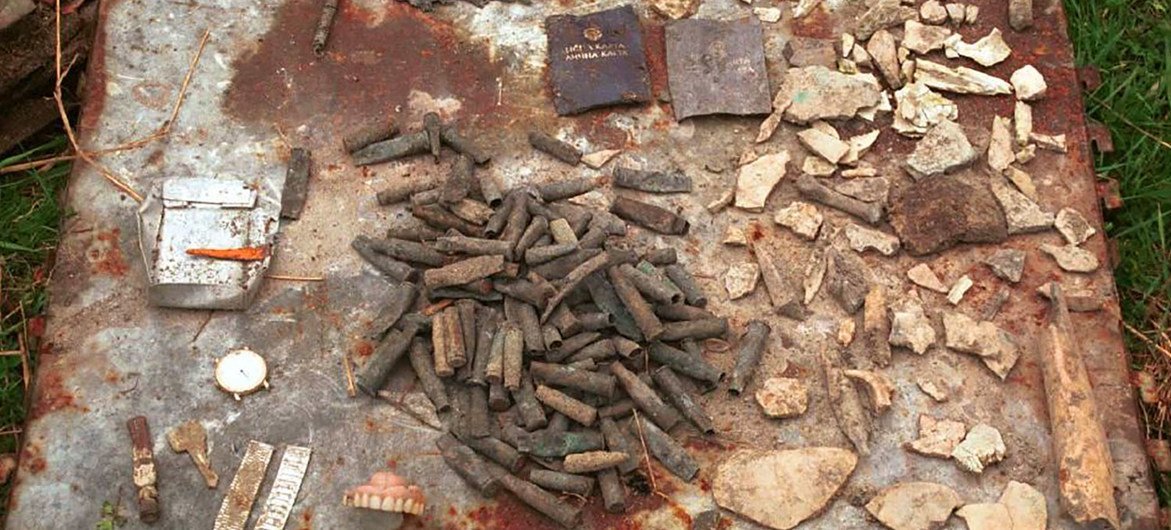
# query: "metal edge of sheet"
237,504
283,494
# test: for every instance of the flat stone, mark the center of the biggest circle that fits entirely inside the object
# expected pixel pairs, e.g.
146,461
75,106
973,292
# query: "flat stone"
1007,264
879,388
827,128
1026,506
1021,214
597,159
914,505
934,391
937,438
1071,258
740,279
818,93
876,189
959,289
982,447
986,516
884,52
1023,182
910,328
961,80
802,218
937,213
757,180
883,14
814,275
823,145
767,14
1020,14
734,236
1000,145
860,57
803,7
817,166
780,489
862,239
723,201
1055,143
924,277
918,109
698,89
846,331
988,51
956,13
995,347
859,146
1073,226
971,13
1028,83
849,280
783,397
943,149
808,51
922,38
933,12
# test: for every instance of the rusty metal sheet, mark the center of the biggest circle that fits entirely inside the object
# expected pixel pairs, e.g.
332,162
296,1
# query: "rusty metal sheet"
716,67
596,60
107,355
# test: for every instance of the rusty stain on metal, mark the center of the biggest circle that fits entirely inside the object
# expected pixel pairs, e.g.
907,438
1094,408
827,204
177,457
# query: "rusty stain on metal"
241,494
145,473
190,437
716,67
596,60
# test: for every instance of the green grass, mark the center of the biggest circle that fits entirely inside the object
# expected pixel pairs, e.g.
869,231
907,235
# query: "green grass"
1130,43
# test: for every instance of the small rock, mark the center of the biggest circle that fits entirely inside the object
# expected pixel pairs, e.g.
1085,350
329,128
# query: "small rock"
932,389
923,39
849,280
721,202
824,145
933,12
780,489
937,438
817,166
982,447
876,326
767,14
937,213
7,466
910,328
1021,214
597,159
1007,264
1023,182
735,236
914,505
862,239
865,189
1022,124
996,347
740,279
1049,142
961,80
883,14
1026,154
883,51
848,66
995,303
814,274
1020,15
986,516
861,57
846,331
918,108
824,95
1071,258
804,7
802,218
859,146
851,415
879,388
971,13
956,13
1028,83
675,9
1073,226
988,51
924,277
1026,506
1000,151
783,397
959,289
848,42
944,148
757,180
808,51
861,171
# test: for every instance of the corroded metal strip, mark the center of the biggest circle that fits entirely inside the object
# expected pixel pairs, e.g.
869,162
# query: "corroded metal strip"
283,493
242,493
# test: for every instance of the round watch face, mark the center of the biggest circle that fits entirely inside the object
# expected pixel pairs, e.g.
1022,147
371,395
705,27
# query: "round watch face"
240,371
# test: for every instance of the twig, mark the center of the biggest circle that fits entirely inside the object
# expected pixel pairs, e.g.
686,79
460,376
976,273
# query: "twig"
9,353
1133,125
350,389
23,345
1146,339
295,278
645,454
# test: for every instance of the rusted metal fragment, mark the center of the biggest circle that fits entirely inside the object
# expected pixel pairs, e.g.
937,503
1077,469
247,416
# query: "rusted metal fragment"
241,494
144,473
190,437
937,213
717,67
462,272
596,60
649,216
296,183
653,181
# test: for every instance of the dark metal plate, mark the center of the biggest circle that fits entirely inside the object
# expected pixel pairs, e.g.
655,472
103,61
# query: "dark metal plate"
596,60
716,67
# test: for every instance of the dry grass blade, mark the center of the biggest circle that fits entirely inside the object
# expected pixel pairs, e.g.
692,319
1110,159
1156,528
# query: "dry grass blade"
1141,336
349,368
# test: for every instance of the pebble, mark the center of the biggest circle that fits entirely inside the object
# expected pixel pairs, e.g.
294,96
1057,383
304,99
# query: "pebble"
937,438
740,280
1071,258
1028,83
783,397
780,489
1007,264
802,218
959,289
944,148
862,239
914,505
924,277
757,180
982,447
1073,226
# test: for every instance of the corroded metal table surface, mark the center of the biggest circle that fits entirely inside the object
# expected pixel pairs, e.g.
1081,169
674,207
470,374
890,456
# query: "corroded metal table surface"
107,356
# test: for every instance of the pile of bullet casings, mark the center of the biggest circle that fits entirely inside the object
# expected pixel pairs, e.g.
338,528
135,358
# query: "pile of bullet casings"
539,322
